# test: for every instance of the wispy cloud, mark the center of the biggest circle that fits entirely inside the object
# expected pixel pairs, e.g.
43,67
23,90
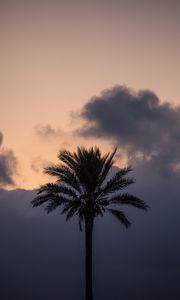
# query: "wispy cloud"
48,132
38,163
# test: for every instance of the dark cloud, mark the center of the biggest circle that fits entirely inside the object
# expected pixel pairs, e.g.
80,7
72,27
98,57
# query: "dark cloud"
147,129
47,132
8,165
42,256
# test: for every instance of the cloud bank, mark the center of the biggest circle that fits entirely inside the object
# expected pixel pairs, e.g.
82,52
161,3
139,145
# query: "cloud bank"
42,256
148,130
8,165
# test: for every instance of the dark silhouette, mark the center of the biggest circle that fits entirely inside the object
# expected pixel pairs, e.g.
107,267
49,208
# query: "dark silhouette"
83,189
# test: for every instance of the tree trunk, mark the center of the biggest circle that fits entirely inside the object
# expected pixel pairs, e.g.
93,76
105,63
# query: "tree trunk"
88,263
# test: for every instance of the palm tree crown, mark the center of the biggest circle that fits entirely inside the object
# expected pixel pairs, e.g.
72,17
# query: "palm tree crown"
82,187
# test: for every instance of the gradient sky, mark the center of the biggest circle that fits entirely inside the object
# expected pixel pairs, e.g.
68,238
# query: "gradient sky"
56,55
56,58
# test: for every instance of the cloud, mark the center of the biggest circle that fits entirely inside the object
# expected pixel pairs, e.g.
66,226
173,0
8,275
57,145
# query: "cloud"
8,165
47,132
148,130
38,164
42,256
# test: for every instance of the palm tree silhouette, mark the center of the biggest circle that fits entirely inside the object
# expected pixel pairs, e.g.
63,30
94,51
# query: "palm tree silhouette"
83,189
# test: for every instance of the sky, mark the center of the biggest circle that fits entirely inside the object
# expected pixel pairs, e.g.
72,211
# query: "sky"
102,73
56,55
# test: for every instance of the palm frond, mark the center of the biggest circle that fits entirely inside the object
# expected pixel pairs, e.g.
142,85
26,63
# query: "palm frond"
71,212
72,208
69,205
80,221
68,158
129,200
99,210
107,164
120,216
64,174
117,182
56,189
89,167
39,200
52,205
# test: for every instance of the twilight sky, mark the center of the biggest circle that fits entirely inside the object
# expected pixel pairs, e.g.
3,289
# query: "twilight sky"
79,72
56,55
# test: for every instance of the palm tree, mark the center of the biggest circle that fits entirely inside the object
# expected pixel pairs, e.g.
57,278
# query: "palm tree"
84,189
